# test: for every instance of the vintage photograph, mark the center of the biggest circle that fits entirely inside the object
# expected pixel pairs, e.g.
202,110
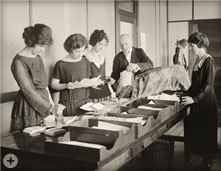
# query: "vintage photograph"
110,85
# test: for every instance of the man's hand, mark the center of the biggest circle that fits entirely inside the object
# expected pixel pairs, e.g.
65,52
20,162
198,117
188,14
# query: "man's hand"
132,67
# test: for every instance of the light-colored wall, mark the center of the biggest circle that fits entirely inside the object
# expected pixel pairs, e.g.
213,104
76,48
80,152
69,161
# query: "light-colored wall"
147,25
14,19
152,21
101,15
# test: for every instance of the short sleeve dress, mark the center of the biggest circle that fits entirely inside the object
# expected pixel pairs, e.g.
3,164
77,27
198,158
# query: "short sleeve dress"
70,72
32,101
103,92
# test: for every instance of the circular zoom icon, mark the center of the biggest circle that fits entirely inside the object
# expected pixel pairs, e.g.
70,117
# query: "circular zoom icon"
10,160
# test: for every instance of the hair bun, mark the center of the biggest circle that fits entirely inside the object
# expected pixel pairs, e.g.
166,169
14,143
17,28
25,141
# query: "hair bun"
28,35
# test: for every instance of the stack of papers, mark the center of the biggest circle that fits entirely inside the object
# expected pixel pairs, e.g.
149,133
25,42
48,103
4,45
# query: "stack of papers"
164,96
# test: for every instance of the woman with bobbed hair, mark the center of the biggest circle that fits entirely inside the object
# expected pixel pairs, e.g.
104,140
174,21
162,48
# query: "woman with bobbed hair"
69,71
200,127
98,40
33,101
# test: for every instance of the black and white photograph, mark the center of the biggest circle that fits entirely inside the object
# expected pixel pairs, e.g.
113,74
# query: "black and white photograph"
110,85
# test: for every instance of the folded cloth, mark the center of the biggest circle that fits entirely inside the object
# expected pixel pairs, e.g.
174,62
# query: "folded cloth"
151,82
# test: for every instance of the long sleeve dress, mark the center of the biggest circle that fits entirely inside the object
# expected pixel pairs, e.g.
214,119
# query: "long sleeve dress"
70,72
96,70
200,127
32,101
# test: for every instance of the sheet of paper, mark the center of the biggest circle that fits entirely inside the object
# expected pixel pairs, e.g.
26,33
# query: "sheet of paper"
164,96
110,126
83,144
150,108
98,106
87,107
132,120
92,107
50,120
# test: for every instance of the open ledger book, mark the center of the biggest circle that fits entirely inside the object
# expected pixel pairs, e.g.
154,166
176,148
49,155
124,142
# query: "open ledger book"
49,122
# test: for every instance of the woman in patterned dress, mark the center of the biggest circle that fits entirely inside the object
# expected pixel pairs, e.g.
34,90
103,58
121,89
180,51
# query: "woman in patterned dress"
33,101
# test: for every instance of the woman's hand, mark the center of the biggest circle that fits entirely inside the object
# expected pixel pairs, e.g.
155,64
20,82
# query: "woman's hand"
99,82
71,85
57,109
112,81
186,100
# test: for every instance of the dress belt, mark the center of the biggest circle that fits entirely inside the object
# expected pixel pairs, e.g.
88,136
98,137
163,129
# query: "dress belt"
75,100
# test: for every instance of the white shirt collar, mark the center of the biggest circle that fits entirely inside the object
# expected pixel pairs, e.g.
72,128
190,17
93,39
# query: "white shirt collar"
128,55
97,61
200,62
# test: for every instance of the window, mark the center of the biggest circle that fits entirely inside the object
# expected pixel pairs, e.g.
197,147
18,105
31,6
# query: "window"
126,20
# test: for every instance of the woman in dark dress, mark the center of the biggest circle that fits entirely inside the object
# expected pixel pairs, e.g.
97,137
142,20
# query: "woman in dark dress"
200,127
69,71
33,101
98,40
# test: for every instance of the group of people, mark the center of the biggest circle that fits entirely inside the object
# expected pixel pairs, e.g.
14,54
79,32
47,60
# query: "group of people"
34,101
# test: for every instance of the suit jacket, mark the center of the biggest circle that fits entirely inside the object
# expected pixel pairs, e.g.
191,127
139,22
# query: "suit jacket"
138,56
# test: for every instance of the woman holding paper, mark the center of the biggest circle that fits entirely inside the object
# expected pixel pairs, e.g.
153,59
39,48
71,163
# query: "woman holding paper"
33,101
71,75
98,40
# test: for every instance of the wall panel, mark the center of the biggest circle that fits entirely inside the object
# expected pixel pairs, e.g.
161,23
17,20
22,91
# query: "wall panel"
13,21
53,15
179,10
147,25
101,15
207,9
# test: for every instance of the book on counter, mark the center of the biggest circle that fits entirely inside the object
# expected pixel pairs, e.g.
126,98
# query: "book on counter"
34,130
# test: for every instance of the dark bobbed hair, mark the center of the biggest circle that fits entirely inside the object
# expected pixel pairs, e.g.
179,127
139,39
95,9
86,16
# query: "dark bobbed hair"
97,36
75,41
37,34
200,39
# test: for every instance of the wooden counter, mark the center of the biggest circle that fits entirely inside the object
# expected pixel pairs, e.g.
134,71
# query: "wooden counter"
35,153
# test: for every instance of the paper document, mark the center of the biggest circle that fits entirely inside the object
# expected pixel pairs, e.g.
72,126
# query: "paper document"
92,107
150,108
132,120
83,144
164,96
110,126
50,120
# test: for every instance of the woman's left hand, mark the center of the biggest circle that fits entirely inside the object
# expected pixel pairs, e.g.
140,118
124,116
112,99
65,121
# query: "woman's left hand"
186,100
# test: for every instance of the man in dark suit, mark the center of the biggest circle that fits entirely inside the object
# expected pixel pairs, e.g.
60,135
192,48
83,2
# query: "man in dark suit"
130,58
